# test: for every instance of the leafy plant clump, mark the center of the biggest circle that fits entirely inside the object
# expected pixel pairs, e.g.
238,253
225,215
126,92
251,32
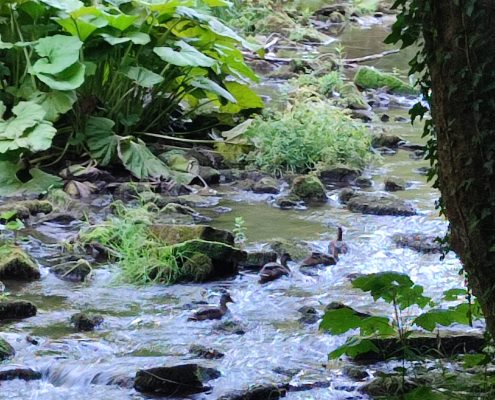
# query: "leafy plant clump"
307,134
97,78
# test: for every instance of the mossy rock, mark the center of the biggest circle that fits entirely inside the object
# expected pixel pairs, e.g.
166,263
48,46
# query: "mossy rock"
225,259
370,203
338,175
387,385
24,209
297,249
6,350
85,322
386,140
309,188
16,264
72,271
278,22
16,309
371,78
353,97
174,234
197,268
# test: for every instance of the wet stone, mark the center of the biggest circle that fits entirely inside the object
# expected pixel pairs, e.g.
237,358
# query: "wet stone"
256,260
16,264
26,374
16,309
308,188
266,185
356,373
179,380
378,204
363,182
386,140
260,392
85,322
338,175
25,208
309,315
77,271
6,350
417,241
393,184
288,202
205,352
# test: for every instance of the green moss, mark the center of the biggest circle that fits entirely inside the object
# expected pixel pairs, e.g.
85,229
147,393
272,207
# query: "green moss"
197,267
371,78
16,264
6,350
308,187
24,209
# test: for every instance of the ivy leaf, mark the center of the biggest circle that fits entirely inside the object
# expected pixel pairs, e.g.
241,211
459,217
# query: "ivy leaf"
27,129
11,185
140,161
59,52
101,140
55,103
143,77
187,56
211,86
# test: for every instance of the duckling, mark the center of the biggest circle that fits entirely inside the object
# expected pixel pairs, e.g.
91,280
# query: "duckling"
213,312
336,247
316,258
274,270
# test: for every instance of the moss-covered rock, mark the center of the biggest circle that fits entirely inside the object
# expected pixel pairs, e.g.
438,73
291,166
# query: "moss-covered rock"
177,381
16,264
76,271
376,204
371,78
197,267
24,209
224,258
255,260
16,309
266,185
173,234
309,188
6,350
338,175
296,248
386,140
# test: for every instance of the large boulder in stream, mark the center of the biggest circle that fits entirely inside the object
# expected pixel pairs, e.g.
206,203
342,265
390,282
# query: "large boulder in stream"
16,264
173,234
258,392
371,78
338,175
224,259
376,203
6,350
308,188
177,381
418,241
16,309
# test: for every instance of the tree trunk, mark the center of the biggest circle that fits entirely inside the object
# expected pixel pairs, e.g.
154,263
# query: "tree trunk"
461,62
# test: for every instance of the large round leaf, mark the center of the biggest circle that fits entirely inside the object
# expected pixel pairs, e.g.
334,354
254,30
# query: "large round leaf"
59,52
69,79
187,56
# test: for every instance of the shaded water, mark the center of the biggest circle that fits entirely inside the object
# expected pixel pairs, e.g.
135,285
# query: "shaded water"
146,327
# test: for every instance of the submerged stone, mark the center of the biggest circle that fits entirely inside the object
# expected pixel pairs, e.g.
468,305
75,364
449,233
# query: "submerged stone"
85,322
309,188
6,350
73,272
179,380
16,309
205,352
16,264
258,392
26,374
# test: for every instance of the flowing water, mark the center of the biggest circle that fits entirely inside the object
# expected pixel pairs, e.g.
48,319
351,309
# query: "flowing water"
147,326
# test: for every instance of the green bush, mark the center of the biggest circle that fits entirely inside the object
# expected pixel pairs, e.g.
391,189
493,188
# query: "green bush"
308,134
96,77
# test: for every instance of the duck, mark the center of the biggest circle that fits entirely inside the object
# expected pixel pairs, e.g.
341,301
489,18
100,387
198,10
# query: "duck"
338,246
317,258
273,270
213,312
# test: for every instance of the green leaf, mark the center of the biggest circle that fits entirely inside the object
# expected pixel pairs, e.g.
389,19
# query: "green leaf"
55,103
424,393
65,5
140,161
217,3
134,37
340,320
120,21
69,79
245,98
353,347
187,56
11,185
143,77
430,319
211,86
27,129
454,294
83,22
101,140
59,52
475,360
5,45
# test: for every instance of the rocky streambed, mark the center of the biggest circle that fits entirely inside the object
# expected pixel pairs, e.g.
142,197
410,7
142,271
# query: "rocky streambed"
268,344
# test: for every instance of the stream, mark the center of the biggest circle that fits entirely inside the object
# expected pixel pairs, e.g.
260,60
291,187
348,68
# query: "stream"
147,326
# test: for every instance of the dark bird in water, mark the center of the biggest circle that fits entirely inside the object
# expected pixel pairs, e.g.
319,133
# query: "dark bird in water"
336,247
213,312
316,258
273,270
